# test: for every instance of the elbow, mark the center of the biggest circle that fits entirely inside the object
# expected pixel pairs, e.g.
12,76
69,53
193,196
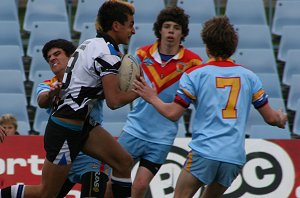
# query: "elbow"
42,104
173,118
113,105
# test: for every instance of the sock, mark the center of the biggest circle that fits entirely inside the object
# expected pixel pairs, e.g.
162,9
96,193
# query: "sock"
15,191
121,187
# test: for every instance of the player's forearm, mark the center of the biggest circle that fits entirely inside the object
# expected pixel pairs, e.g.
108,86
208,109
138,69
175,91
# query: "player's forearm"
272,117
121,99
276,118
166,109
44,100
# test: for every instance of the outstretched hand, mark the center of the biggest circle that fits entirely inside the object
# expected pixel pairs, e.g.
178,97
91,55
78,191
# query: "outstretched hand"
283,118
141,87
2,134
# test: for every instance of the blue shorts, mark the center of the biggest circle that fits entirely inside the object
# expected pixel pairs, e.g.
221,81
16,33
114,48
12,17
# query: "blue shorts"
83,164
141,149
208,171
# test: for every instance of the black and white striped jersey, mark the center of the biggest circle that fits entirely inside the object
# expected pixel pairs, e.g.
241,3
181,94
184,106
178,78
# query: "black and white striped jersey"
82,85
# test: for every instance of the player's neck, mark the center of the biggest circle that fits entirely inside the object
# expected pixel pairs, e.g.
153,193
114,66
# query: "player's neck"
168,49
60,76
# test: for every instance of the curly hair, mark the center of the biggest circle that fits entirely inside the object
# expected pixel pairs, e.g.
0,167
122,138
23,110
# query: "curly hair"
220,37
67,46
174,14
113,10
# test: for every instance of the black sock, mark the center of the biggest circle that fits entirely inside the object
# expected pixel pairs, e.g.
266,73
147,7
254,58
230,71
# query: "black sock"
121,187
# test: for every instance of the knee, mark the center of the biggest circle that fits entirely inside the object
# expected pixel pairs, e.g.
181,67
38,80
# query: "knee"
127,162
124,166
139,186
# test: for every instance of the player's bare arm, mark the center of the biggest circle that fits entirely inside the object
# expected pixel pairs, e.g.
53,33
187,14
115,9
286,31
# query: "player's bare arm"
275,118
2,134
172,111
116,98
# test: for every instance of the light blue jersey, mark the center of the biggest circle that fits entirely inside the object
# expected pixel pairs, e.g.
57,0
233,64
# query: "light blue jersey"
155,127
222,93
144,121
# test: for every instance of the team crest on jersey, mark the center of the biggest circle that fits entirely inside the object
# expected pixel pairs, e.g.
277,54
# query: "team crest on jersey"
180,67
148,61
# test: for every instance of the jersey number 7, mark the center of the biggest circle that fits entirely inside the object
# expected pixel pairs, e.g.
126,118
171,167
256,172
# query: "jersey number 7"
230,112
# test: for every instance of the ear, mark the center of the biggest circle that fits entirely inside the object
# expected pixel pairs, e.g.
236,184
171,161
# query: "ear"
115,26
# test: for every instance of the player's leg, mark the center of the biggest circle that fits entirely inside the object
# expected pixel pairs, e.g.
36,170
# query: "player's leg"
108,191
226,174
186,185
142,180
153,158
62,146
214,190
91,174
93,184
101,145
196,172
151,155
65,189
53,178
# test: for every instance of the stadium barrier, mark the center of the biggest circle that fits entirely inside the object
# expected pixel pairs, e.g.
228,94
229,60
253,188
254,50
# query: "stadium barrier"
272,168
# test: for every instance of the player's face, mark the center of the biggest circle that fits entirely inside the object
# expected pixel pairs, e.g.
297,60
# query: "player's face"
126,30
171,33
57,60
9,129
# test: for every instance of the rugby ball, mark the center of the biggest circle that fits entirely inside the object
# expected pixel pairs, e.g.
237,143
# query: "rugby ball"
128,71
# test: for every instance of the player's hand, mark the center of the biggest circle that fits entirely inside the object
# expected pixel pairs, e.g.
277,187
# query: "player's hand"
283,118
141,87
55,89
2,134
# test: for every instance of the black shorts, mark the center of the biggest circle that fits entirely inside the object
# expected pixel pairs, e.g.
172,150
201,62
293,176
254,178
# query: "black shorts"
62,143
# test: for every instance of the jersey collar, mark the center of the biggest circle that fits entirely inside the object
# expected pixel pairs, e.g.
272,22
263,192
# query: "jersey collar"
222,63
155,53
107,38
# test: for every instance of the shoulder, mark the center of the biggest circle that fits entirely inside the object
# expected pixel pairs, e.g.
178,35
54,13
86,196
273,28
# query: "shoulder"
190,56
195,68
191,53
143,52
145,48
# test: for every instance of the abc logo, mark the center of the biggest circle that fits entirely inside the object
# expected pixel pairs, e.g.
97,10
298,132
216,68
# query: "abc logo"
269,172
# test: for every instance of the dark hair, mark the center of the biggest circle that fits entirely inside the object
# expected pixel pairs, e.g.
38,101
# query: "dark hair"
113,10
67,46
174,14
220,37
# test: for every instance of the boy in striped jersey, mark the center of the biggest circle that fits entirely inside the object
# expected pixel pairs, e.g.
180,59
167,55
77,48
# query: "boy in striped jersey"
91,72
